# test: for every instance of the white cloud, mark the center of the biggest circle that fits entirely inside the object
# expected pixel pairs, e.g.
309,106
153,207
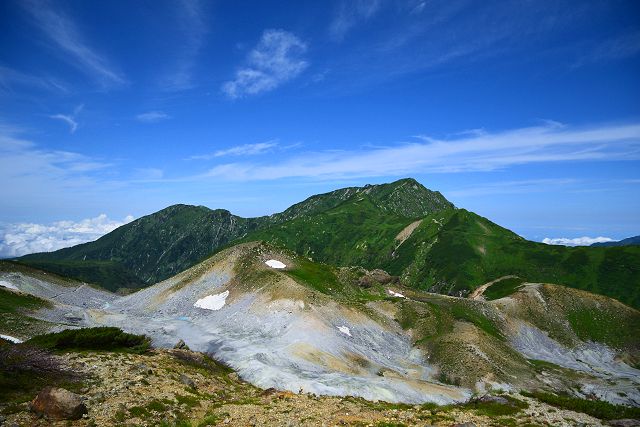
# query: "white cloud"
73,125
152,117
64,33
577,241
351,13
547,143
275,60
240,150
24,238
34,176
70,119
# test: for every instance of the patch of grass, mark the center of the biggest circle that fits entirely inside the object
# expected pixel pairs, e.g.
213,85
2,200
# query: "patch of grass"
212,419
190,401
13,307
604,325
465,310
13,302
496,409
595,408
202,362
24,370
102,339
503,288
320,277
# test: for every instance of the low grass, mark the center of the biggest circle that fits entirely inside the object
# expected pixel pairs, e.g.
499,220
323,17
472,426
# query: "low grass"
320,277
14,302
496,409
595,408
503,288
13,305
467,311
24,370
100,339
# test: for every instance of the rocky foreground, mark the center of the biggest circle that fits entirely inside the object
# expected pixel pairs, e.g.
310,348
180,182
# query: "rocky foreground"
185,388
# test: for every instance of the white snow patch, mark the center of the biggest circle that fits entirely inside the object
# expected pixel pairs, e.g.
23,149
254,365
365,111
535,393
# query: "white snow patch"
395,294
274,263
8,285
10,338
212,302
345,330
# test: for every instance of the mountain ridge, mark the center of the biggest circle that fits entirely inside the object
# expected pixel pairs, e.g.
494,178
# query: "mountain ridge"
401,227
629,241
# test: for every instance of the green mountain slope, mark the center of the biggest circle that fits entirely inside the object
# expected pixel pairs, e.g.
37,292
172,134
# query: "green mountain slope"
468,250
452,251
147,250
160,245
400,227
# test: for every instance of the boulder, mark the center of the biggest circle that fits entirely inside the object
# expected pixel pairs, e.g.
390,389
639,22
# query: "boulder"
187,381
58,404
181,345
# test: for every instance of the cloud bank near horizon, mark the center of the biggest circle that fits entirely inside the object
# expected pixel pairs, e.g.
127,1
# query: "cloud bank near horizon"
577,241
24,238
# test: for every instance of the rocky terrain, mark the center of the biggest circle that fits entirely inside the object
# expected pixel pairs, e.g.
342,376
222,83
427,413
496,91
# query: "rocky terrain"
283,322
184,388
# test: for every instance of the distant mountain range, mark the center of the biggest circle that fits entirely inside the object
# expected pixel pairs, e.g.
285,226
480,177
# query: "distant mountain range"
630,241
401,227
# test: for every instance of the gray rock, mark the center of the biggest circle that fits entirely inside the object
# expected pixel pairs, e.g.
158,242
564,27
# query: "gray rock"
58,404
493,399
181,345
187,381
467,424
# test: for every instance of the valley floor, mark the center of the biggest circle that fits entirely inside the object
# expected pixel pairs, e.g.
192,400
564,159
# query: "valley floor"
184,388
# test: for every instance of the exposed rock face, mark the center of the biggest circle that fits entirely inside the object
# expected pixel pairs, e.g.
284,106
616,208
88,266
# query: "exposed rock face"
58,404
181,345
184,379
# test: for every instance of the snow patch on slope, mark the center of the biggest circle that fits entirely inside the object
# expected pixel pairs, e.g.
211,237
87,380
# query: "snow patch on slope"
274,263
10,338
212,302
8,285
345,330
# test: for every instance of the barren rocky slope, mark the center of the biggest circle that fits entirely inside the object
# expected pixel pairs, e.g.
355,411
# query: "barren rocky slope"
313,328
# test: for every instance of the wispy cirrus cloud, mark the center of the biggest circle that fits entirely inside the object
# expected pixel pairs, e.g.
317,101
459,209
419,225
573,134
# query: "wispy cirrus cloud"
152,117
481,151
193,30
69,119
24,238
623,46
45,175
349,14
527,186
276,59
576,241
10,77
64,33
240,150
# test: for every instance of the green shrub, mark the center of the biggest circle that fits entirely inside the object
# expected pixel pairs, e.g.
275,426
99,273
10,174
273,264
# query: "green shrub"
102,338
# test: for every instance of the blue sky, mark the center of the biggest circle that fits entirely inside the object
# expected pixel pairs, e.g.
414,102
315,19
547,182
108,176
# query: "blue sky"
525,112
